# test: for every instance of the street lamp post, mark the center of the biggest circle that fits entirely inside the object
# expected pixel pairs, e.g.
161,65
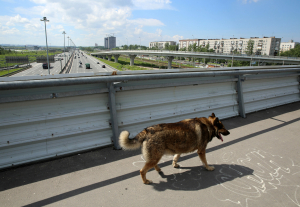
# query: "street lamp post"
64,33
193,51
45,20
140,43
68,48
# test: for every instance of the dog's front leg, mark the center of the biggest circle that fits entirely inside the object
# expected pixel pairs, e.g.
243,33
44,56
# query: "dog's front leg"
202,156
175,159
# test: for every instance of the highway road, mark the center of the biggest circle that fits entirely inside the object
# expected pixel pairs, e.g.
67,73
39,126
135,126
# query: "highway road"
55,68
95,68
37,68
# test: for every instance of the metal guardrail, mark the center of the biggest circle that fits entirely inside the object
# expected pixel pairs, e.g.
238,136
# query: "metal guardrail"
44,118
68,66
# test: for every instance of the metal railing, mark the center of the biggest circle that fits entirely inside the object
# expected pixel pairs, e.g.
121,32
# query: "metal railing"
48,117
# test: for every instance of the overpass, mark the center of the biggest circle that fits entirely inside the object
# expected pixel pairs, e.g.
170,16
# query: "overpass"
170,55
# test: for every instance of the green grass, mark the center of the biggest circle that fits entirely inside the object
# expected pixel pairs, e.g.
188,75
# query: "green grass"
139,64
5,72
122,65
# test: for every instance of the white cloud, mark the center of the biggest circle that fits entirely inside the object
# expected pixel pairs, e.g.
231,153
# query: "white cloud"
249,1
16,20
152,4
8,31
147,22
92,18
177,38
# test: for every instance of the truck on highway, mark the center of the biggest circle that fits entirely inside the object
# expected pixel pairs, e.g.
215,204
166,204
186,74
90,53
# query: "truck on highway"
45,65
87,66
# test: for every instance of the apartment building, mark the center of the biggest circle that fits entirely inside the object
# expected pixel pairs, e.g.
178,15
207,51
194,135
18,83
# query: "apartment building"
285,46
262,46
161,44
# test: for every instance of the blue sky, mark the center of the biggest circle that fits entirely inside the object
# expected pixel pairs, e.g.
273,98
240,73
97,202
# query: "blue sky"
134,21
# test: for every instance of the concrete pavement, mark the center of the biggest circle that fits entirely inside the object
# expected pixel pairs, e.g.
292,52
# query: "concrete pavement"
37,68
85,58
257,165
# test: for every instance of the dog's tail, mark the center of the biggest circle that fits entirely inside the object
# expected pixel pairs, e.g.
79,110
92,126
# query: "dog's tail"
131,144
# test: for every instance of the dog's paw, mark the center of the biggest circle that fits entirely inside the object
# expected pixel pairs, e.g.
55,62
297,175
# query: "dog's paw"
147,182
210,168
175,165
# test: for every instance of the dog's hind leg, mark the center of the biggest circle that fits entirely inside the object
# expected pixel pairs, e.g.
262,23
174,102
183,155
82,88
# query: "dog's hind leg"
203,159
144,170
157,168
175,159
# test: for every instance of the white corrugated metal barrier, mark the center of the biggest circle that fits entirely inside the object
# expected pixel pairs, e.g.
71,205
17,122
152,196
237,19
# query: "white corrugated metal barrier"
43,118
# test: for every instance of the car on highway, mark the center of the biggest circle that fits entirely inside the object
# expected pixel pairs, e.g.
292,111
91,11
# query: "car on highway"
97,62
103,66
45,65
16,66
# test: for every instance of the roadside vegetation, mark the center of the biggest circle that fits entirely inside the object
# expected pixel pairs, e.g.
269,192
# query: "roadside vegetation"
5,72
292,52
141,64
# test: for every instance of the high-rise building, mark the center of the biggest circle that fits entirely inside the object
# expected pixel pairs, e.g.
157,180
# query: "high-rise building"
110,42
261,46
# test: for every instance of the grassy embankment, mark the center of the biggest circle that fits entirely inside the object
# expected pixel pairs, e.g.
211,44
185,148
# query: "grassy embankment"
5,72
31,55
140,64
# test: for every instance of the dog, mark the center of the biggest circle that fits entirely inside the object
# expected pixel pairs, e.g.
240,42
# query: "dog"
174,138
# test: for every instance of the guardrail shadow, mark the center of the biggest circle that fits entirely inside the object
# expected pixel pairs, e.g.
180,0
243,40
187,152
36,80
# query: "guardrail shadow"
30,173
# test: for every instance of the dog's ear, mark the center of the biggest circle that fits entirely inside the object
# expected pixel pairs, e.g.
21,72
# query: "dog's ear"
213,115
216,121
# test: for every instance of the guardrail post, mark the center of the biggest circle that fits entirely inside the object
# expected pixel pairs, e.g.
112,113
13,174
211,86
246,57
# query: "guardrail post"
113,114
241,96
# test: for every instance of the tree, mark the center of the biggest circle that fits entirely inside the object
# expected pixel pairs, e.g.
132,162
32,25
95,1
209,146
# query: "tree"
250,46
207,47
292,52
194,47
167,45
2,51
173,47
183,49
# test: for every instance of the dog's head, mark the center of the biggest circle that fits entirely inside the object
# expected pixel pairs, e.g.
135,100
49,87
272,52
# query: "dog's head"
219,127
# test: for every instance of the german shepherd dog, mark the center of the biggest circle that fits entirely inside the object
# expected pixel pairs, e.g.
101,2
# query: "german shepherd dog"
174,138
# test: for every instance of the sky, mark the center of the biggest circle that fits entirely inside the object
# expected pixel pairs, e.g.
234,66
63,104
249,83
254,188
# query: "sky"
87,22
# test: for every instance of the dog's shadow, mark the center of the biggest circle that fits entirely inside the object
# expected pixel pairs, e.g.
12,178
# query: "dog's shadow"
197,178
